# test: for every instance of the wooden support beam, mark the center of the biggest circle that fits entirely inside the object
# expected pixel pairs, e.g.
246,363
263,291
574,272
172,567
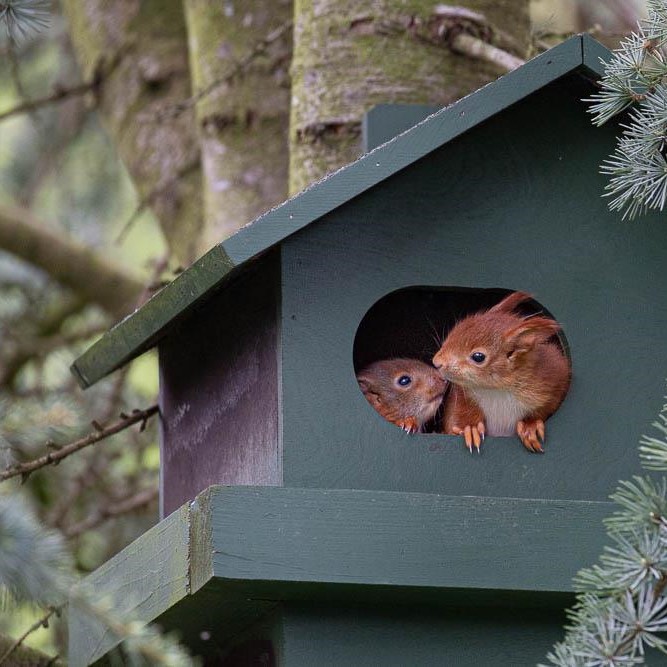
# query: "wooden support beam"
235,552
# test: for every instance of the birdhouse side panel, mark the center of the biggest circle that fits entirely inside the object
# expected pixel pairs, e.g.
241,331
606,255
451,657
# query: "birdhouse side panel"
514,204
219,391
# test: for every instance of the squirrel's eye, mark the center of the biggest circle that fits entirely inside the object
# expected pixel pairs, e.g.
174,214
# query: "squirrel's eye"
404,380
478,357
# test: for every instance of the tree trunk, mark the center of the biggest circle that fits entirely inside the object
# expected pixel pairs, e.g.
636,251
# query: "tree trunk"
350,56
139,49
241,51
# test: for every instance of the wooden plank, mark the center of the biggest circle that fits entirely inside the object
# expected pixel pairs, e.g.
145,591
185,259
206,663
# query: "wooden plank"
144,580
374,538
594,55
468,216
390,158
219,391
384,122
331,636
140,330
216,565
143,328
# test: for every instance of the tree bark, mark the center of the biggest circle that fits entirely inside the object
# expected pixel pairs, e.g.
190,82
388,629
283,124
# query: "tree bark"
242,123
350,56
72,264
139,51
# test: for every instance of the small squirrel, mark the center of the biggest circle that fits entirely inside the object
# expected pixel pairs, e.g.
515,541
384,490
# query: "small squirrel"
406,392
507,375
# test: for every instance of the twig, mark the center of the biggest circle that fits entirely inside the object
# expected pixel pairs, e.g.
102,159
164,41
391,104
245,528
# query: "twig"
238,67
61,452
61,93
58,95
125,506
467,45
43,622
462,31
154,194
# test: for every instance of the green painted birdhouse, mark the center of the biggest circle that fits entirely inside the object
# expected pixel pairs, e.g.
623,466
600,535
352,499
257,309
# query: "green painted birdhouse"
304,529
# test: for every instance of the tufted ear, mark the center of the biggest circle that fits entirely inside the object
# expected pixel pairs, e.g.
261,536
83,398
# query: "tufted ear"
510,302
528,333
366,387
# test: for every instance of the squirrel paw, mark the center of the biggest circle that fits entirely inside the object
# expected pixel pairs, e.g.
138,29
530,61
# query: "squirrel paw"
409,425
473,435
531,434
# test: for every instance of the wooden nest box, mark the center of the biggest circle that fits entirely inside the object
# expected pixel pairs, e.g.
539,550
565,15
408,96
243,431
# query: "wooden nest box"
303,529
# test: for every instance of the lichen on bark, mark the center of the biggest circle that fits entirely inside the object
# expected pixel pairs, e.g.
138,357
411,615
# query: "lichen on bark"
242,123
350,56
147,42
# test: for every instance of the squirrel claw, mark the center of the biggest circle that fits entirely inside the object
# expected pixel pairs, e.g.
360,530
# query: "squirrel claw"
472,435
409,425
531,434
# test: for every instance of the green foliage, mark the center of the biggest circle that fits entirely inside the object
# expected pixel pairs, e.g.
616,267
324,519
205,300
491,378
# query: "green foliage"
635,76
33,562
621,611
35,566
24,17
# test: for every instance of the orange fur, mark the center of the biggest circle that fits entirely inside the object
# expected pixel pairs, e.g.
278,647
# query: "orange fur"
522,380
408,407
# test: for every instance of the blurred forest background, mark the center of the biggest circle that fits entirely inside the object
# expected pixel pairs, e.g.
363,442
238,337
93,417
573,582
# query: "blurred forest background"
136,134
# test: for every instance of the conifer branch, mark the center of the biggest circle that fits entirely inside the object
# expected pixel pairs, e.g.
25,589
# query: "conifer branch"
635,78
59,453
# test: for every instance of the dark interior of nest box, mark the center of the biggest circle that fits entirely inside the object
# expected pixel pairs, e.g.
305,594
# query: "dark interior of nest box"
414,321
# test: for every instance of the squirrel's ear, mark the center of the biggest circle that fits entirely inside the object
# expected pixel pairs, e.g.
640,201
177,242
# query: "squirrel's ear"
510,302
364,383
366,387
531,332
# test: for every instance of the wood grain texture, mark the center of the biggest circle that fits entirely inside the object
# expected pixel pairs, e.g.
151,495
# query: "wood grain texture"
142,329
372,538
217,565
219,391
141,582
516,205
145,327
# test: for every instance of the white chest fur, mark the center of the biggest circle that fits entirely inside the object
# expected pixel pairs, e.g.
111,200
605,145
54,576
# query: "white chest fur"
502,410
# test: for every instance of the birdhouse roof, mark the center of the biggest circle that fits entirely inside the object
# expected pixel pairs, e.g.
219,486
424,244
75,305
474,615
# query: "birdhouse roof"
146,326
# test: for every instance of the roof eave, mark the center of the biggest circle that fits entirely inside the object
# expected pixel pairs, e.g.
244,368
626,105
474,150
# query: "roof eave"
143,328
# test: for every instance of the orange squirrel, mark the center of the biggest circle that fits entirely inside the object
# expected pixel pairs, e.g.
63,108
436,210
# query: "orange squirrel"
406,392
507,375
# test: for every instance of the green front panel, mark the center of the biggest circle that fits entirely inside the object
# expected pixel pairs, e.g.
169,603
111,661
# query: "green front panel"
514,203
356,637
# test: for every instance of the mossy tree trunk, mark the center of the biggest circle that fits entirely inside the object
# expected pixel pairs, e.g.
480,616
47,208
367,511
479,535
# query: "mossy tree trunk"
350,56
242,51
140,48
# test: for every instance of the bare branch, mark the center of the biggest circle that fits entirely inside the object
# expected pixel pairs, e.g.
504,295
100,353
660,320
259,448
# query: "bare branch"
68,261
43,622
60,452
125,506
463,31
239,67
473,47
156,192
62,93
58,95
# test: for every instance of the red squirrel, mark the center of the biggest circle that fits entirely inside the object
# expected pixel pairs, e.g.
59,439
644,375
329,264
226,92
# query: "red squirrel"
507,376
406,392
